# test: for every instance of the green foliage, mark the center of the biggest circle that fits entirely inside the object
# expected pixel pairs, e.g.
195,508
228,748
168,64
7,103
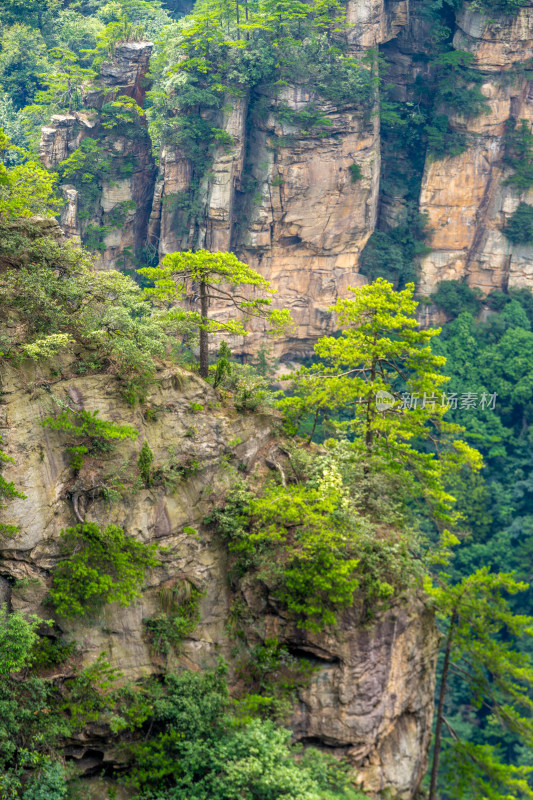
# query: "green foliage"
48,783
442,139
219,277
271,668
64,83
8,491
380,350
23,59
100,566
89,425
25,188
104,312
220,51
458,86
249,388
519,228
519,154
197,750
30,726
93,433
17,638
144,463
356,172
392,255
454,297
79,32
486,357
120,115
316,544
116,31
483,647
223,364
180,271
177,620
510,7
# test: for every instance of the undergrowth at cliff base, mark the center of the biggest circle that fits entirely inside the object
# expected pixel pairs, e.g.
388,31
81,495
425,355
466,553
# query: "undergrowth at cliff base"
180,735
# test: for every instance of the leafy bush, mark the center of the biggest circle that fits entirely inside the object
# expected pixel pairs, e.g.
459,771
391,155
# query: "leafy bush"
17,638
519,228
356,172
458,85
8,491
392,254
95,433
196,749
89,426
144,463
442,140
454,297
106,311
313,543
100,566
48,783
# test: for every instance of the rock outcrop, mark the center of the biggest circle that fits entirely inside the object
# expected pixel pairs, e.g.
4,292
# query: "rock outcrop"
111,209
284,199
465,197
370,698
286,203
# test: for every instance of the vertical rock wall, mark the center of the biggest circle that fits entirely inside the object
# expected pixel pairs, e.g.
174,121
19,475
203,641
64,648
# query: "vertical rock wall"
284,200
465,197
128,191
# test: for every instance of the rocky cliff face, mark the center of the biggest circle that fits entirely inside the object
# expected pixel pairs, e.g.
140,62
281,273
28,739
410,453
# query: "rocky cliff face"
465,197
110,205
371,695
286,202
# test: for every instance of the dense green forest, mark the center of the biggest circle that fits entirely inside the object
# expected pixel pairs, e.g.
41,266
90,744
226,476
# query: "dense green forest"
430,494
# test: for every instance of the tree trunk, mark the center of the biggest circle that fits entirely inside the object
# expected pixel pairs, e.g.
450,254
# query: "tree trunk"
204,352
440,711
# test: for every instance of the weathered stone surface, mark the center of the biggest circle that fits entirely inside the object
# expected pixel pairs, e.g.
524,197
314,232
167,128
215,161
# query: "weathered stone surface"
69,212
125,72
372,696
465,197
63,136
124,234
285,201
497,44
369,697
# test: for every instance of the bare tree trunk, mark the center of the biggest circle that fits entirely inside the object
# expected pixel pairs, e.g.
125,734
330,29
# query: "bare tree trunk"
204,352
440,711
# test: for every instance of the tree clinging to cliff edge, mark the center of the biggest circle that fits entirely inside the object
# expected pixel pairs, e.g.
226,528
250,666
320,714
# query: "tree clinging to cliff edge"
382,378
209,278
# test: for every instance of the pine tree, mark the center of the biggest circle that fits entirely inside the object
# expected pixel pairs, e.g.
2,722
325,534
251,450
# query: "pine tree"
214,277
383,377
481,647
